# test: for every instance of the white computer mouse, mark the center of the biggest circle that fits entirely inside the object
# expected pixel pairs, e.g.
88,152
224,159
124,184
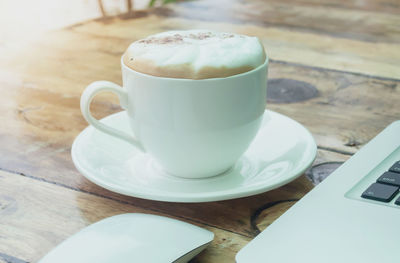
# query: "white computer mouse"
132,238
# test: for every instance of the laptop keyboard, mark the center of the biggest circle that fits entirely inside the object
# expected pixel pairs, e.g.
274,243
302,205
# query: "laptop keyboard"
386,186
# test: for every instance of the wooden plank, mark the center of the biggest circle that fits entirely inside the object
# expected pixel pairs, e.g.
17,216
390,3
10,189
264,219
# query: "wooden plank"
322,35
35,216
232,215
338,20
381,6
329,37
346,113
372,54
56,212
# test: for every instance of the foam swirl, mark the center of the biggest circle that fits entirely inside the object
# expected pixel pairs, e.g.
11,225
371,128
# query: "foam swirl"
195,54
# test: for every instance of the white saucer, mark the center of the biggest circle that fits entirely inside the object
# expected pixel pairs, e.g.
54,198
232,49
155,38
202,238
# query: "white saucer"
282,150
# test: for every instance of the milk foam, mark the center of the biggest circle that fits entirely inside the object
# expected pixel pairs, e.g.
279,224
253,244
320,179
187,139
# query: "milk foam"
198,49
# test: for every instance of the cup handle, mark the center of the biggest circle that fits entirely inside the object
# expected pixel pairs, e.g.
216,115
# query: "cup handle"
87,96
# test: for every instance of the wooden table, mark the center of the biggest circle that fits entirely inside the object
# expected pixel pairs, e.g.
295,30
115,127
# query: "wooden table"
334,68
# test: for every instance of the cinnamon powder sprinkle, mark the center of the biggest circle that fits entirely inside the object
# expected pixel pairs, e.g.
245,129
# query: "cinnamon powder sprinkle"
178,38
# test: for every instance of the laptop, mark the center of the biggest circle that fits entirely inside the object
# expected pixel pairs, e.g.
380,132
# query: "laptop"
352,216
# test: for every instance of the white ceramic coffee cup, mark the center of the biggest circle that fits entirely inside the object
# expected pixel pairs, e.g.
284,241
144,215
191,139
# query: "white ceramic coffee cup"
192,128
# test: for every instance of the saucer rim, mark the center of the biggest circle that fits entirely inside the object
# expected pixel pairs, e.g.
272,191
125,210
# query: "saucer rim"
227,194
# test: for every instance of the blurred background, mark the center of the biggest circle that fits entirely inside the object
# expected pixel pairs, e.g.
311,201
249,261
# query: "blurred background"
26,19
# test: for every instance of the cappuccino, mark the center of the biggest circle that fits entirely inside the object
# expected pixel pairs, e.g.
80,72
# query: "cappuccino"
195,54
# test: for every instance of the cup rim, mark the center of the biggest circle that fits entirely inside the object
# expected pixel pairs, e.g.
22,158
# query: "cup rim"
200,80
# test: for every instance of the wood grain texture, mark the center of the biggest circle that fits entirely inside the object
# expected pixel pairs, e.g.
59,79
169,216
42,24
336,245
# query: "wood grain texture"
377,58
367,25
379,6
31,224
36,215
232,215
326,35
361,41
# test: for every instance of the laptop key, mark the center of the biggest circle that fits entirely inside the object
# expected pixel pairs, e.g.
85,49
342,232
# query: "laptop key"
380,192
395,167
397,202
389,178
